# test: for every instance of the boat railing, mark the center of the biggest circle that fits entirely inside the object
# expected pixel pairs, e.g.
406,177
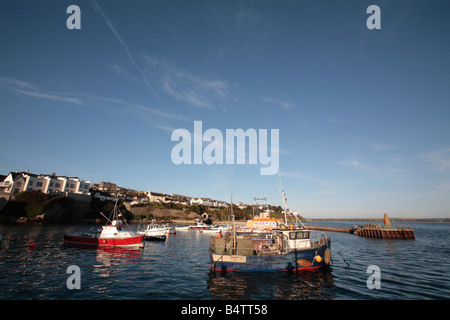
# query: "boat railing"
240,246
319,239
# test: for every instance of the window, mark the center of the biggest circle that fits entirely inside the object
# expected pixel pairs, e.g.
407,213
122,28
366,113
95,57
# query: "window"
51,184
38,184
57,185
298,235
30,183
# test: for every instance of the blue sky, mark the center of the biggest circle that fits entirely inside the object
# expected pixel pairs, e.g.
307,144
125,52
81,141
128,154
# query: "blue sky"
363,114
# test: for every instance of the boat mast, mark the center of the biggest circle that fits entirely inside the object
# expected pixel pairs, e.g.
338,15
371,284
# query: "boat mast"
232,215
284,206
234,228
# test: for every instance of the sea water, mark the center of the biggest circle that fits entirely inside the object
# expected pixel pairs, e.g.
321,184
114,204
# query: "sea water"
177,269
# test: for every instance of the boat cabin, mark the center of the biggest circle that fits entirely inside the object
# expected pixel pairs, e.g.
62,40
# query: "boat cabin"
297,238
112,230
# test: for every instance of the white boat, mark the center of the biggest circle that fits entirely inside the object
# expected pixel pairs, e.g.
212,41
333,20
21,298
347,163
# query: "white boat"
183,228
197,226
216,229
155,231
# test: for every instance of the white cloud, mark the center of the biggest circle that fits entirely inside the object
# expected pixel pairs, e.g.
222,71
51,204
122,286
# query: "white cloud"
281,103
122,43
336,121
383,147
21,87
357,165
439,159
186,87
151,116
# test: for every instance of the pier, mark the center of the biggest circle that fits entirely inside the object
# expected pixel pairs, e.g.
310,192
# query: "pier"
369,230
381,233
331,229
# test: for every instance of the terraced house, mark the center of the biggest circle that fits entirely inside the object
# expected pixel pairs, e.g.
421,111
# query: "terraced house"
16,182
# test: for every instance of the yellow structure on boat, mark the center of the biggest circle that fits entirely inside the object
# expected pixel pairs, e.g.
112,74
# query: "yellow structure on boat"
263,222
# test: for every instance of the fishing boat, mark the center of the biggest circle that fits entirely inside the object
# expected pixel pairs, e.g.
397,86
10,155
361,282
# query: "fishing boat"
197,226
112,234
155,231
287,247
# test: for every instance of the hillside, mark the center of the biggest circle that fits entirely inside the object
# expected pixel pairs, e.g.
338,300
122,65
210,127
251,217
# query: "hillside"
34,206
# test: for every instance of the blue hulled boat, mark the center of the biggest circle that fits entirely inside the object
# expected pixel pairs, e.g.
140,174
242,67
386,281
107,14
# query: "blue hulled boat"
285,248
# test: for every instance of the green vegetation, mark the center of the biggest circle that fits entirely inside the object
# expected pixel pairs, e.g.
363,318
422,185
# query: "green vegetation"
106,207
158,205
31,204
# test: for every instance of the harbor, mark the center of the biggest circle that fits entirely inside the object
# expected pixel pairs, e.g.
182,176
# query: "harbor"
178,269
384,230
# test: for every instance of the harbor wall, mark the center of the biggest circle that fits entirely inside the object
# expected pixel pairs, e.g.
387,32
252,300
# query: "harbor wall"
331,229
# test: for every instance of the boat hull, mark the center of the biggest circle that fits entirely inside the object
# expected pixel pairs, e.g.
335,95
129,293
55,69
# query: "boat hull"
135,241
198,228
293,261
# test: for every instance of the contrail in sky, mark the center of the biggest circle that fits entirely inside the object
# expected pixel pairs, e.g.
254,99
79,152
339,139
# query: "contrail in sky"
113,29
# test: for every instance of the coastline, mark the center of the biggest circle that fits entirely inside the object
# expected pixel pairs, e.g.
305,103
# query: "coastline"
440,220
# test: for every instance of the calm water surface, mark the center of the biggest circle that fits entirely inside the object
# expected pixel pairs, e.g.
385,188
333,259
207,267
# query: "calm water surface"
177,269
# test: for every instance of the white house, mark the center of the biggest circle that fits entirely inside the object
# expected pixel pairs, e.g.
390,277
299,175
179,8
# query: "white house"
203,201
16,182
157,197
222,204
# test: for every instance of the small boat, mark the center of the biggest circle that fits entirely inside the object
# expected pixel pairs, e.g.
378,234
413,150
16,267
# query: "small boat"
112,234
171,229
155,231
287,247
197,226
215,229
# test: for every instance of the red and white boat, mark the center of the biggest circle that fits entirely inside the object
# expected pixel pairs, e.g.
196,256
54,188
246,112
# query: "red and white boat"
110,235
197,226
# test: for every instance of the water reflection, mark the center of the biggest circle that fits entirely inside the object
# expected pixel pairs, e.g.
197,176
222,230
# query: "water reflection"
276,285
110,256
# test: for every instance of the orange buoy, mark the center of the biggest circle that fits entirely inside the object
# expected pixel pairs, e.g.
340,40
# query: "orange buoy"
304,263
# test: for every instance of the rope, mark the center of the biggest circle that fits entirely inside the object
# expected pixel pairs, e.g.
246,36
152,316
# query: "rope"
348,265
